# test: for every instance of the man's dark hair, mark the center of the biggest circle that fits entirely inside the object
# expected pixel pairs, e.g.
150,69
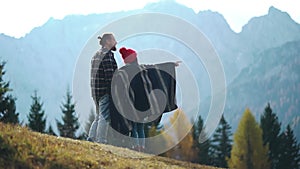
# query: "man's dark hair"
104,38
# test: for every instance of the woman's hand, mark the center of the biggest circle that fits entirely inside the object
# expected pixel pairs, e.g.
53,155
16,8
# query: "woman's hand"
177,63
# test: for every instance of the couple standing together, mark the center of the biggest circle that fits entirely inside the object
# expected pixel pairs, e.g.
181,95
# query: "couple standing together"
103,68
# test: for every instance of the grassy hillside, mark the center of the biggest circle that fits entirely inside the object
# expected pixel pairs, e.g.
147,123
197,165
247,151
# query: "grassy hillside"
22,148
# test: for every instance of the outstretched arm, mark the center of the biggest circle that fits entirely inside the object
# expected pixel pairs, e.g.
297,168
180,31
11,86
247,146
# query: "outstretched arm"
176,63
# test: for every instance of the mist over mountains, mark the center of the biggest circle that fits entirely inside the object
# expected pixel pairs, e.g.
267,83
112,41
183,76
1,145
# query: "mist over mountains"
261,62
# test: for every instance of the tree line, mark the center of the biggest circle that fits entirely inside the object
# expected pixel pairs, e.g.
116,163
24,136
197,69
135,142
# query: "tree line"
36,117
254,145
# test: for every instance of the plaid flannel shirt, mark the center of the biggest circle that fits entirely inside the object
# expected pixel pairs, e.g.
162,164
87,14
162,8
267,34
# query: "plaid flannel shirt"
103,66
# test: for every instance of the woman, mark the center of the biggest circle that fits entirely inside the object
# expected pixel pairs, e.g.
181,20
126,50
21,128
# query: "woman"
131,88
130,59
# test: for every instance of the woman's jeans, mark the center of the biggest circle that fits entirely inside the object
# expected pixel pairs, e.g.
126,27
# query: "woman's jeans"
138,133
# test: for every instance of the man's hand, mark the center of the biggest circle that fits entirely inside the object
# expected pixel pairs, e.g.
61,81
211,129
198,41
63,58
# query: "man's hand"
97,107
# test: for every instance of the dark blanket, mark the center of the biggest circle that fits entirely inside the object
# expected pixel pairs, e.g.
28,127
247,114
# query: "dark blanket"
131,88
163,77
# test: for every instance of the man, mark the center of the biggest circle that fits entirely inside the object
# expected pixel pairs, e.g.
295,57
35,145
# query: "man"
103,66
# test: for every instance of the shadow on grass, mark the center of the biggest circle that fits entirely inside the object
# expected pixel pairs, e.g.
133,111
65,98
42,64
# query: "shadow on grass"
8,156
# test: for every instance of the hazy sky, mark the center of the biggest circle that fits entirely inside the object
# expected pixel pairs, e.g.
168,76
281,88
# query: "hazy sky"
19,17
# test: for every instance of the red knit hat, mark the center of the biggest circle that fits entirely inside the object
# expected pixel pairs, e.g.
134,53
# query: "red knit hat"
128,55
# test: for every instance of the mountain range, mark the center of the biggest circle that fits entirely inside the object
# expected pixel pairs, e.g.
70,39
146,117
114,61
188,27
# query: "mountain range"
261,63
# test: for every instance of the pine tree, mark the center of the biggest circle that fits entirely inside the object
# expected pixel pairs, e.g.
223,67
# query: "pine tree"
36,120
290,154
203,150
181,126
221,144
163,139
50,131
70,122
248,151
7,101
154,130
271,135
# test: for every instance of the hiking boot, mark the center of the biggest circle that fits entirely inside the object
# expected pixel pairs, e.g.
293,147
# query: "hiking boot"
90,139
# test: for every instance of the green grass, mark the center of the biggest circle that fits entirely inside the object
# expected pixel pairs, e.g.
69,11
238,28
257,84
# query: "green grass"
22,148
